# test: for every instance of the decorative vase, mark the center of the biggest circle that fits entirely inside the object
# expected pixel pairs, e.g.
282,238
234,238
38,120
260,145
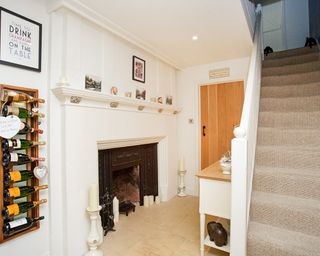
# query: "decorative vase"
217,233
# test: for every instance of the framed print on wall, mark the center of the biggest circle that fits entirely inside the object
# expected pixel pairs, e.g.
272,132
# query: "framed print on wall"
20,41
138,69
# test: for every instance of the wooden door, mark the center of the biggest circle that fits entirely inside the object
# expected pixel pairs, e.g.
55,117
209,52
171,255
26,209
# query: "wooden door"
221,107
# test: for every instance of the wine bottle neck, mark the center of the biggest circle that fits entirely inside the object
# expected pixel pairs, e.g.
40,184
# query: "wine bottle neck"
42,201
36,188
41,115
38,158
40,143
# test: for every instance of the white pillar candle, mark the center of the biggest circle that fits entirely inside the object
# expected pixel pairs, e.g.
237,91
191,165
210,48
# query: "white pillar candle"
115,206
151,200
181,166
157,200
146,201
94,196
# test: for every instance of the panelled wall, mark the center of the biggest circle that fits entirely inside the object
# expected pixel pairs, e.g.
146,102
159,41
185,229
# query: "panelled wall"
80,47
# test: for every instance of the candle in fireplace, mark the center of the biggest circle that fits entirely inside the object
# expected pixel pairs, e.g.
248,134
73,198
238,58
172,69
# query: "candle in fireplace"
94,196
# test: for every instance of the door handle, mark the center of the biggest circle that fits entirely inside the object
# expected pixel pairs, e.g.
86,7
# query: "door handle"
204,130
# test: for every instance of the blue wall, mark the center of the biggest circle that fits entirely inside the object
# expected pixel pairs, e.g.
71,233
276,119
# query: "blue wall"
314,18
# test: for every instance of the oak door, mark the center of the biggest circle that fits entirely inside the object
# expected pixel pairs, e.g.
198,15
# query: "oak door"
221,107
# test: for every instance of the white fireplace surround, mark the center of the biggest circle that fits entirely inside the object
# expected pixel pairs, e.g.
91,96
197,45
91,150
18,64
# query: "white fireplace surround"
119,143
80,130
162,156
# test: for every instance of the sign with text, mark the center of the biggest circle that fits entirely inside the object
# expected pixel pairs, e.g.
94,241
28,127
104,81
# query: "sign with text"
20,41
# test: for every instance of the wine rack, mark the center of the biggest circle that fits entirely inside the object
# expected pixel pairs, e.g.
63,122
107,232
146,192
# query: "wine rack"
32,151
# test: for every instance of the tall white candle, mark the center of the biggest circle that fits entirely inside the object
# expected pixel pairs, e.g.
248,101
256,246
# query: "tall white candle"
94,196
181,168
115,209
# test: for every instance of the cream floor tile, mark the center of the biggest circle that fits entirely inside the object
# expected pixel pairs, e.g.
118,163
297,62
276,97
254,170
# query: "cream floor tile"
168,229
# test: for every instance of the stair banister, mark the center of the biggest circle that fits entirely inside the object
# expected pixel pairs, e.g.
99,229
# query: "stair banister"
243,149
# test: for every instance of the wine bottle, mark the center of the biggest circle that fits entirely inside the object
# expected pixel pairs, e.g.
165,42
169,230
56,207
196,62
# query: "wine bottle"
20,112
16,176
25,128
14,96
16,209
18,192
18,158
9,144
15,226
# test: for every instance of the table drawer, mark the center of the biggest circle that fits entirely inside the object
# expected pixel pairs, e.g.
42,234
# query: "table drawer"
215,198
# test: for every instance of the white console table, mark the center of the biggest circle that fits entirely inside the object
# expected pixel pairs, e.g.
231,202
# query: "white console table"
215,199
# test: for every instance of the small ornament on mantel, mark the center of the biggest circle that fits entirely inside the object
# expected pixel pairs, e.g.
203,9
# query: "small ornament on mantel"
181,173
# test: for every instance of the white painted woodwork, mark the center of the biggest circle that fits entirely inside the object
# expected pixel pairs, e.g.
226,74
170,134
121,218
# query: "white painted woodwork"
86,98
108,144
215,199
243,150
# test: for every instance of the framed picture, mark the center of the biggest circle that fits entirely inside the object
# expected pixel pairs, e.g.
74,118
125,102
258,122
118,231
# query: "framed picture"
93,83
138,69
20,41
169,100
140,94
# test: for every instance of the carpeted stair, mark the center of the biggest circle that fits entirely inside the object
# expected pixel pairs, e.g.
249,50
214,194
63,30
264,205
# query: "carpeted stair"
285,202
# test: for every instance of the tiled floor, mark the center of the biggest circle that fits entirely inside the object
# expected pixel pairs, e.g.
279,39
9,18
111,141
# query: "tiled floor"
168,229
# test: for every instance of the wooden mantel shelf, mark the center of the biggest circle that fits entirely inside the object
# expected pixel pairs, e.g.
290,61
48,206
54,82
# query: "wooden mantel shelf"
214,172
71,96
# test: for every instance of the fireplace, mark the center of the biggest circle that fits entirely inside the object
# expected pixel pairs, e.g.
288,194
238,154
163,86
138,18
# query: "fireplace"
130,173
126,184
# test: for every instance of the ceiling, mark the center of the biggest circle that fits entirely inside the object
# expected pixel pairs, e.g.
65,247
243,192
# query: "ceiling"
167,27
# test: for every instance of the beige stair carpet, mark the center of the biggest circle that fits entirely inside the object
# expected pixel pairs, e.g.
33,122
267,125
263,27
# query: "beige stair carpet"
285,202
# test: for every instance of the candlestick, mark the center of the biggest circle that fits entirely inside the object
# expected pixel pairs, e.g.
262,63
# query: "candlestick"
94,239
94,196
182,187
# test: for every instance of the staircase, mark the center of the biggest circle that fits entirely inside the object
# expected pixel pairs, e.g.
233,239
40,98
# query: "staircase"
285,203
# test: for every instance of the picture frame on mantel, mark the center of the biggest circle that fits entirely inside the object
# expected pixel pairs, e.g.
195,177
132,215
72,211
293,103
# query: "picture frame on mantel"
20,41
138,69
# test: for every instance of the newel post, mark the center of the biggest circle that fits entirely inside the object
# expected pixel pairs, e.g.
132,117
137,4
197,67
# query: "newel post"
238,232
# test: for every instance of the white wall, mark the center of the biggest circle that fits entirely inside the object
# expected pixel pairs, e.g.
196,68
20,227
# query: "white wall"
188,86
297,22
37,242
91,49
285,24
